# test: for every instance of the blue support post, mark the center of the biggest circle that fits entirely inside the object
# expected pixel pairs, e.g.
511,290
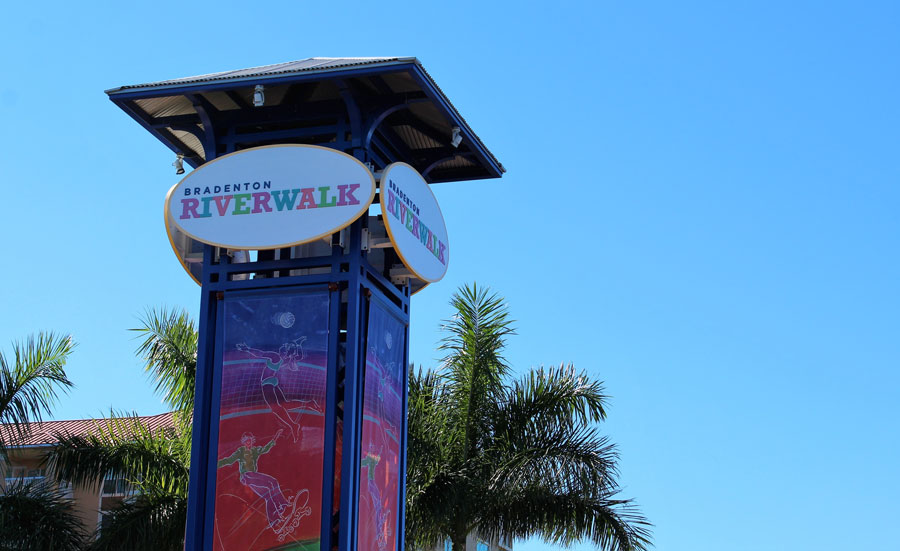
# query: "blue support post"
350,452
196,514
331,414
401,531
213,439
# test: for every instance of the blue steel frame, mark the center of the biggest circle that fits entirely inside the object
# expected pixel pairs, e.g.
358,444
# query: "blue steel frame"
350,274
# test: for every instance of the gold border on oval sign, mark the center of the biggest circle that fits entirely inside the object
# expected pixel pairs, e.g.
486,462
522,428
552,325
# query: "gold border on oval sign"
172,240
387,226
365,204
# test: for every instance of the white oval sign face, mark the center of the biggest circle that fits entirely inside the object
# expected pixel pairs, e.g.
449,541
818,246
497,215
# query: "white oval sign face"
271,196
414,222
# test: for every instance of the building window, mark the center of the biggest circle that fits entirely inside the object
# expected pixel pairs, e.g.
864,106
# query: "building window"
113,487
24,474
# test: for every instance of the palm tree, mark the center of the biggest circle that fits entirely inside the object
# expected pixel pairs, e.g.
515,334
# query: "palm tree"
34,515
30,383
156,464
518,458
169,348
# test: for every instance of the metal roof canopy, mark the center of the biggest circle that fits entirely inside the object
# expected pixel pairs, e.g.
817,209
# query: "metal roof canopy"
383,109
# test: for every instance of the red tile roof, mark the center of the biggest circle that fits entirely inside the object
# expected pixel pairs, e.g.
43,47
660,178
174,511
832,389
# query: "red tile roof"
40,434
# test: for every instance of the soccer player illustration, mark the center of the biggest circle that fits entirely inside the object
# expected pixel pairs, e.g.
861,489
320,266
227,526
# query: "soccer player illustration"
283,513
369,462
288,357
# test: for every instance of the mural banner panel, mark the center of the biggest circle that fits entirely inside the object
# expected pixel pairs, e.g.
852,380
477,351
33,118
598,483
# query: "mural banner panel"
272,422
379,478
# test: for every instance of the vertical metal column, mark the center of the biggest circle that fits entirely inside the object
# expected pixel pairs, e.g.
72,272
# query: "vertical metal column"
197,514
353,385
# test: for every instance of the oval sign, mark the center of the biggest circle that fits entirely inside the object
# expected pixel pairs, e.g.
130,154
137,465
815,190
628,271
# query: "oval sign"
414,222
188,250
271,196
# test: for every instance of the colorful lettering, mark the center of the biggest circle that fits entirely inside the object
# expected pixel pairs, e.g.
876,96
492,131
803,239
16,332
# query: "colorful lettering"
239,206
285,198
307,201
222,202
261,202
323,197
346,194
189,205
206,201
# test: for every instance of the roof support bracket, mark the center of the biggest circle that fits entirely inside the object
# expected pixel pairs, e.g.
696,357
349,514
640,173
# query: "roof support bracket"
385,113
205,110
353,113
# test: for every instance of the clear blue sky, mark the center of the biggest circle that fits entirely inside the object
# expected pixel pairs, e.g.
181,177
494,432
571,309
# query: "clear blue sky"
701,209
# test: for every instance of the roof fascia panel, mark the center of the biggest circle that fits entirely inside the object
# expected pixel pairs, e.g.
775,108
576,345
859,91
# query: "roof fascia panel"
290,78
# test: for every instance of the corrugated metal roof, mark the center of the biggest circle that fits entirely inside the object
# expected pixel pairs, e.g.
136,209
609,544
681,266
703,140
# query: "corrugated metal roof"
300,66
41,434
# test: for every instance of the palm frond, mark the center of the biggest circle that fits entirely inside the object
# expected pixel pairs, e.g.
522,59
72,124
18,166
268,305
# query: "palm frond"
37,517
561,458
556,395
474,366
543,431
30,385
563,518
150,522
124,447
169,348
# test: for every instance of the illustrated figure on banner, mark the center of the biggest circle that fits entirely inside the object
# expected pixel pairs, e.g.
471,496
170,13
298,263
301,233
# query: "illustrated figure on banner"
372,457
384,378
283,513
369,462
288,357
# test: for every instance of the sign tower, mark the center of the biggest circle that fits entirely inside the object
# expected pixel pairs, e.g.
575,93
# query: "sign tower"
308,223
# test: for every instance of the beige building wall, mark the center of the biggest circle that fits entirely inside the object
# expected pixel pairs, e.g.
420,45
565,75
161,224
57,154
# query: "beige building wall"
26,461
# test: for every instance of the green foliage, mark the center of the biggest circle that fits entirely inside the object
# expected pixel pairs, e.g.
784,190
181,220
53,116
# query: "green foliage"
31,381
154,463
35,517
169,348
518,457
150,522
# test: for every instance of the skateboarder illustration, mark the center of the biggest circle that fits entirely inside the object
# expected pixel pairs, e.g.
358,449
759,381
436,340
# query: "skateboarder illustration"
288,357
283,513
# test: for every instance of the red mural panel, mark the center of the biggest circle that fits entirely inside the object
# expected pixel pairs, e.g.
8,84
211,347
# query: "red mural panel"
379,478
271,422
